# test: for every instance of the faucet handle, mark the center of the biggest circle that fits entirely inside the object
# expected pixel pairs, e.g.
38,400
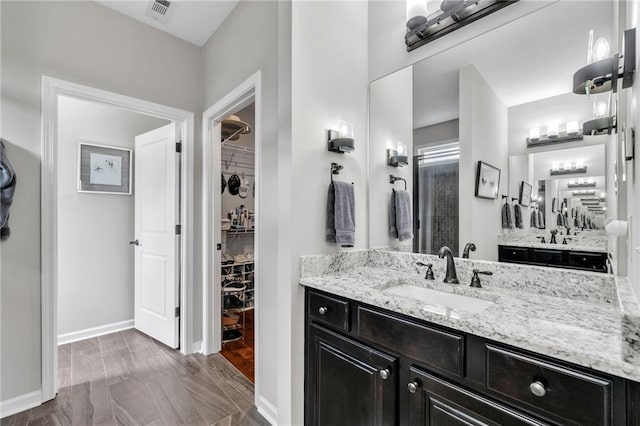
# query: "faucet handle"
475,279
429,275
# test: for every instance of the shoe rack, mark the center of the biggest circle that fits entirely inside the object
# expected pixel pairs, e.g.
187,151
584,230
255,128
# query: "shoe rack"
237,284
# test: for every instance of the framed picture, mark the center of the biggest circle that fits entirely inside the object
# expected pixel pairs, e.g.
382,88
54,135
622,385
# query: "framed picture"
525,194
487,181
104,169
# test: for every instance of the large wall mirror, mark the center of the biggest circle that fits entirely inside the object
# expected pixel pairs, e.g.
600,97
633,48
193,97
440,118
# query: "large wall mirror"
464,119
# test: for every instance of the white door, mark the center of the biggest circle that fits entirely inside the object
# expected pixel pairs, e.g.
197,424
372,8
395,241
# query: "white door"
156,251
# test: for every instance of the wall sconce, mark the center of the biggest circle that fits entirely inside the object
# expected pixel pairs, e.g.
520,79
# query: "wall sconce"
567,169
341,141
398,157
603,121
601,72
450,16
553,134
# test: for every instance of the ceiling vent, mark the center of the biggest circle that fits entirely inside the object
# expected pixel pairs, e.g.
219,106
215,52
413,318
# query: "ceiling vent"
159,10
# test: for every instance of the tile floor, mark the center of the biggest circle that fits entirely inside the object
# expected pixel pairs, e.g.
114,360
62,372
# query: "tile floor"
127,378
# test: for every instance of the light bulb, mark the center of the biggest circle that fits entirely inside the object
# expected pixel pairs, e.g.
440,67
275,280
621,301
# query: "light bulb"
600,49
572,182
552,130
567,166
534,134
401,148
572,127
555,167
416,13
346,129
600,109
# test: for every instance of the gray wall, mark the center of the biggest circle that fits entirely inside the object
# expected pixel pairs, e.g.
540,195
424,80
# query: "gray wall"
436,133
245,43
85,43
95,260
483,137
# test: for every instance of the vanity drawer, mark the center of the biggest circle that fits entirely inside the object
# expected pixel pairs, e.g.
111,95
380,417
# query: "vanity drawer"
514,254
547,257
547,389
442,350
329,310
590,261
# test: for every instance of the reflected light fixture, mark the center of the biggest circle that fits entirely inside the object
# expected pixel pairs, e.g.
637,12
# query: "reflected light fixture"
398,157
341,141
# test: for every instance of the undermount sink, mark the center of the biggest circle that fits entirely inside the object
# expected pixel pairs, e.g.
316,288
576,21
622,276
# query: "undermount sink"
436,297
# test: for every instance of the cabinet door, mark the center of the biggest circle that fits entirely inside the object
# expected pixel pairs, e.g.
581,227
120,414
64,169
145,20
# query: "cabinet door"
348,383
435,402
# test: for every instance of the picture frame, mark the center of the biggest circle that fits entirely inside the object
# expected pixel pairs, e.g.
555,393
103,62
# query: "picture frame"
524,198
104,169
487,181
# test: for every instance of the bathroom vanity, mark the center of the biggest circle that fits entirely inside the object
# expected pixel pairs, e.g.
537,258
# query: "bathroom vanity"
553,257
385,346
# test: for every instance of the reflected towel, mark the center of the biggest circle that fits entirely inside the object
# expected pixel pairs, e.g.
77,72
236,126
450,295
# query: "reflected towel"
402,207
540,219
393,229
341,218
7,189
517,214
507,217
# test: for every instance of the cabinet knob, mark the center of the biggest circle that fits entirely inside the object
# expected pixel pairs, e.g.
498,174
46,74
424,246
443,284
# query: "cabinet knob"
413,387
385,373
323,310
537,388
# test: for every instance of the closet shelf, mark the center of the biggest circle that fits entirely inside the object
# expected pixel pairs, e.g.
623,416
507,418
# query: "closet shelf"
245,309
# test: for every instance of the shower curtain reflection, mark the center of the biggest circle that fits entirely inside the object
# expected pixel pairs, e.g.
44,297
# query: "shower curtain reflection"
436,203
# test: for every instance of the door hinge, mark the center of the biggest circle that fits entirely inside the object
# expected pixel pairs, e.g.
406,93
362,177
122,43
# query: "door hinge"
178,147
177,311
178,229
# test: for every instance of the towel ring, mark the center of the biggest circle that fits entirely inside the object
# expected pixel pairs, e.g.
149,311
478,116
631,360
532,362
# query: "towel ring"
335,170
393,179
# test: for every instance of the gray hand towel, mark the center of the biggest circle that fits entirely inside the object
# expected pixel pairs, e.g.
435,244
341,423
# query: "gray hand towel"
517,214
341,220
507,218
540,219
7,189
393,229
403,215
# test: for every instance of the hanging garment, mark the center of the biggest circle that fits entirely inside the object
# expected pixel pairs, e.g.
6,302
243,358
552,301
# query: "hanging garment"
234,184
341,218
507,216
8,181
517,215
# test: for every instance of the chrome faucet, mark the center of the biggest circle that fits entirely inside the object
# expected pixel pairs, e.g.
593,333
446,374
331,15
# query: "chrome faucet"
450,277
467,247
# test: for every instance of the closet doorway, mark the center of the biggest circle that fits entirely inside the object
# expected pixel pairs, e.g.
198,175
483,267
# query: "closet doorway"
237,219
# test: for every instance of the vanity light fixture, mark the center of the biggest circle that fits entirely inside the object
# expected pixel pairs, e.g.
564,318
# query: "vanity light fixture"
398,157
423,28
601,74
583,193
582,184
341,141
553,134
568,169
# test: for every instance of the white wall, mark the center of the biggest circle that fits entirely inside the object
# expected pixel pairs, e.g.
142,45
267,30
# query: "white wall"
329,83
245,43
390,121
95,260
85,43
483,137
446,131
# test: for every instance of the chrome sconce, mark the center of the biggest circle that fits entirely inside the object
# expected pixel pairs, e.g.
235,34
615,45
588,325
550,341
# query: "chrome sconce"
341,141
398,157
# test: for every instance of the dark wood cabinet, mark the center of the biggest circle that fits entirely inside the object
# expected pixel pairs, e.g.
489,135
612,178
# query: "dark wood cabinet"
586,261
349,383
370,366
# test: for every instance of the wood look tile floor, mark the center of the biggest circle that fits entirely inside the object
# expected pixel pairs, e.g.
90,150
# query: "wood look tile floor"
127,378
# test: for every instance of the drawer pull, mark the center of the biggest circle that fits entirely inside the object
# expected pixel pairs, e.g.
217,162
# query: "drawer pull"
537,388
385,373
323,310
413,387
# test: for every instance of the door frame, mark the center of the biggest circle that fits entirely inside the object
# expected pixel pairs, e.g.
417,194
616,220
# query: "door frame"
247,92
52,88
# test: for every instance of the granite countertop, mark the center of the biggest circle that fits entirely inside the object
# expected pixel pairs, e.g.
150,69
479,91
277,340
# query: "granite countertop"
559,246
567,322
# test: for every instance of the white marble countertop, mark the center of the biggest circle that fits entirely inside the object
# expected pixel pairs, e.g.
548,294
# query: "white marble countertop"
559,246
583,330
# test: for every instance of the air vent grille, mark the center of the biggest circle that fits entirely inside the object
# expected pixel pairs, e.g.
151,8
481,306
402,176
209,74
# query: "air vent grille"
158,10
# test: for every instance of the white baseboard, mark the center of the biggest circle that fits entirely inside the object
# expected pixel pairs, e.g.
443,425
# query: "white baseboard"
267,410
20,403
196,347
94,332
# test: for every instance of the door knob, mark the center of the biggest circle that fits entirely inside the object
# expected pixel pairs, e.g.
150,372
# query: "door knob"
413,387
134,243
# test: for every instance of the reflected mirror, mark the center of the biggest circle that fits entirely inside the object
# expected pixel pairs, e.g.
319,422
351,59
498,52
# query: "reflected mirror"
496,154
